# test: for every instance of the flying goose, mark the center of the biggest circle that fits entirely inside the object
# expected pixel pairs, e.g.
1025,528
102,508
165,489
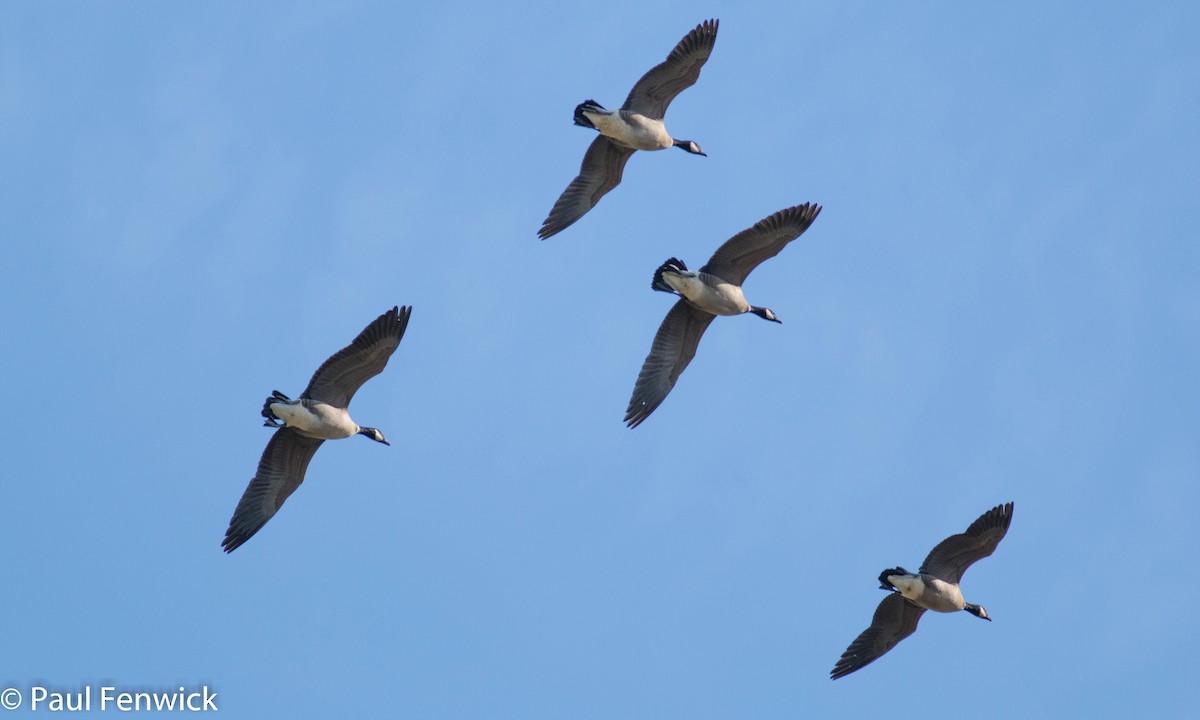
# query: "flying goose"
638,125
319,414
933,587
715,290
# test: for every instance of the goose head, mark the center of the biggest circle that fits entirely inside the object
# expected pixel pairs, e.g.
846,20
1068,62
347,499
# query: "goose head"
690,146
977,611
766,314
374,434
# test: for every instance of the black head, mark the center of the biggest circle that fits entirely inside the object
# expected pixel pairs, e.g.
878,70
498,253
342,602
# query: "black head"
374,434
690,146
766,314
977,611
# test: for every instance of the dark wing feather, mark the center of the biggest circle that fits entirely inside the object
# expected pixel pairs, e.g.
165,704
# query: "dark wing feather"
339,377
952,556
674,347
733,261
280,471
603,165
894,620
652,94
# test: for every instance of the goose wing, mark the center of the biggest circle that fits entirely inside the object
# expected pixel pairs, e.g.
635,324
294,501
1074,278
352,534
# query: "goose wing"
603,164
952,556
652,94
280,471
674,347
339,377
894,620
733,261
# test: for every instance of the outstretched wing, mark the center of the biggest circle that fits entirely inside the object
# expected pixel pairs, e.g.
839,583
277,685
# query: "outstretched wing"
733,261
280,471
652,94
601,171
674,347
894,620
952,556
339,377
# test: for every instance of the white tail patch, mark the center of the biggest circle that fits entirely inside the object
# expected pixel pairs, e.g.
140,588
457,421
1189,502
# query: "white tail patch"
910,586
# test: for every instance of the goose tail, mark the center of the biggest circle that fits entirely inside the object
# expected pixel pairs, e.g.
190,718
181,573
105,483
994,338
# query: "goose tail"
885,584
674,265
590,106
272,419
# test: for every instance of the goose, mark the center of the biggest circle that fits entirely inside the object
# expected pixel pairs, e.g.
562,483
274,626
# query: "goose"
714,290
319,414
933,587
638,125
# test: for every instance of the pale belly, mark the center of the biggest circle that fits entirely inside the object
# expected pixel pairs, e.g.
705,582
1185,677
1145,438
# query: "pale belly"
321,421
633,130
936,595
721,299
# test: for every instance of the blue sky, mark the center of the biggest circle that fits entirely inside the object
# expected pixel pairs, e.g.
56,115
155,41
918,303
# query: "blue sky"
200,202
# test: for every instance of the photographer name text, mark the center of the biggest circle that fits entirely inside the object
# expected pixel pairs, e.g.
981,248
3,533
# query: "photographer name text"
105,698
